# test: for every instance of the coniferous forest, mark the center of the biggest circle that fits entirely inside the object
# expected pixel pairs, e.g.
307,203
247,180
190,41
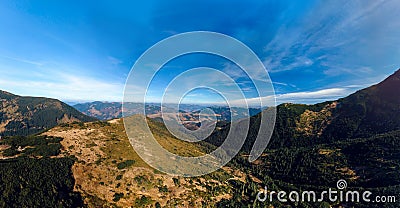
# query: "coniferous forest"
33,174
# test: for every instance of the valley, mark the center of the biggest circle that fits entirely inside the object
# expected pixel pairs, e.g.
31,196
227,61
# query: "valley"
356,139
188,113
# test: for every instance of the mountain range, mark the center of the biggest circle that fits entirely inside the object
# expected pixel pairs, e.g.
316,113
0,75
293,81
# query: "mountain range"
188,113
20,115
356,138
367,112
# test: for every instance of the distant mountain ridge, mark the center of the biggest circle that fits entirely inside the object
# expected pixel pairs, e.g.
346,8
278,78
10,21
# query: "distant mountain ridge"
21,115
100,110
110,110
189,113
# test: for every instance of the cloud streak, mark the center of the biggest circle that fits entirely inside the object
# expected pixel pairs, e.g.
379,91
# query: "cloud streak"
35,63
66,87
307,97
328,34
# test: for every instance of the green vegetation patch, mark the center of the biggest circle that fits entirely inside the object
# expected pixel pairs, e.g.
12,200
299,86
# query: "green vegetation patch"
118,196
125,164
30,182
44,146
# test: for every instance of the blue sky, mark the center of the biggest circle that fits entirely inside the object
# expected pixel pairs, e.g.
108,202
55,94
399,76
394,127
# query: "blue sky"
83,50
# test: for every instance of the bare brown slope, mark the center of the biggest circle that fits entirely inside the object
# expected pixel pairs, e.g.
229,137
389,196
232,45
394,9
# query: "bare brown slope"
108,172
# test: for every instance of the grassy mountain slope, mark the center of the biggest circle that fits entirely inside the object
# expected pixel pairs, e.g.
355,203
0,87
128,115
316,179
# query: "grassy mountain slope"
27,115
108,172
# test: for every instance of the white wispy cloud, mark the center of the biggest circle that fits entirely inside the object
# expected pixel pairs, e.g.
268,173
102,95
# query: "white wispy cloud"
297,97
22,60
319,94
114,61
64,86
343,30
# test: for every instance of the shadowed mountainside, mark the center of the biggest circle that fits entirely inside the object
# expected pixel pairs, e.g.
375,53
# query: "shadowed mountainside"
365,113
28,115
